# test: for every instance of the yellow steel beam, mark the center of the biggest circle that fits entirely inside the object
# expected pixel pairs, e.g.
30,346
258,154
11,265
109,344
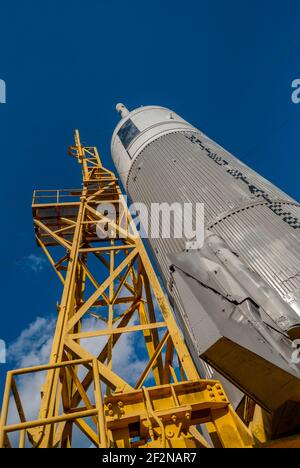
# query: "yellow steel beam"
98,273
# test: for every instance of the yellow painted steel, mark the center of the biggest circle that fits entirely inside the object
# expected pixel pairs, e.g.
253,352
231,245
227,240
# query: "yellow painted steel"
107,277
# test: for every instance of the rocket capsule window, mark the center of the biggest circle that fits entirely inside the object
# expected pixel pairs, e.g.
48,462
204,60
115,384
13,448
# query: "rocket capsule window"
127,133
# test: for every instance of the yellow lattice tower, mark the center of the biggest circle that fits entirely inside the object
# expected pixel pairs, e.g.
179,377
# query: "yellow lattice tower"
106,274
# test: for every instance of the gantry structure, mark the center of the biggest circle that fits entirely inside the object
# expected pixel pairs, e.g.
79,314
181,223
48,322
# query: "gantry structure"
110,295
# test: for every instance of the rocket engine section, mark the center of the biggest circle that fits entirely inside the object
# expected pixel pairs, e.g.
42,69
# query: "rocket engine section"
237,297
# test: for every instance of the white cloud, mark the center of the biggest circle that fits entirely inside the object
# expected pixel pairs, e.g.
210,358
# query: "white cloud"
32,347
34,262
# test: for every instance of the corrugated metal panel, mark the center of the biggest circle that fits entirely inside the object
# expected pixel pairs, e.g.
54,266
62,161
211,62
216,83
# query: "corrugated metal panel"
175,169
266,243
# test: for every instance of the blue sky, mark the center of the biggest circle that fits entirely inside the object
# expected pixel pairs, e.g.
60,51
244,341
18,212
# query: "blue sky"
226,67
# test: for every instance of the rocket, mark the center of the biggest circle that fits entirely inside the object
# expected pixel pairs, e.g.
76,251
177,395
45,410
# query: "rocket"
237,295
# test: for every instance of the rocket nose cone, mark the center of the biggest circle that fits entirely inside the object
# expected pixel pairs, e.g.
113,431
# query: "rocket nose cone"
123,111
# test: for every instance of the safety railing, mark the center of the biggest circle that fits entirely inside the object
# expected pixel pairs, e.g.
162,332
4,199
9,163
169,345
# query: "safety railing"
24,427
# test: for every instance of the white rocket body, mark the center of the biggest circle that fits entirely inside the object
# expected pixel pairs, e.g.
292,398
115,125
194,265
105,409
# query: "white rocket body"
238,297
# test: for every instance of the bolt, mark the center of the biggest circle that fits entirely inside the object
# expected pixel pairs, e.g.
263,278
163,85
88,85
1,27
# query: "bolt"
109,405
211,394
174,418
209,388
110,413
188,415
120,404
220,392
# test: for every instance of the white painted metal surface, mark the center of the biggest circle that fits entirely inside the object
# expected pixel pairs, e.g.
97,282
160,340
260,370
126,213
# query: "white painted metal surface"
168,160
150,122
